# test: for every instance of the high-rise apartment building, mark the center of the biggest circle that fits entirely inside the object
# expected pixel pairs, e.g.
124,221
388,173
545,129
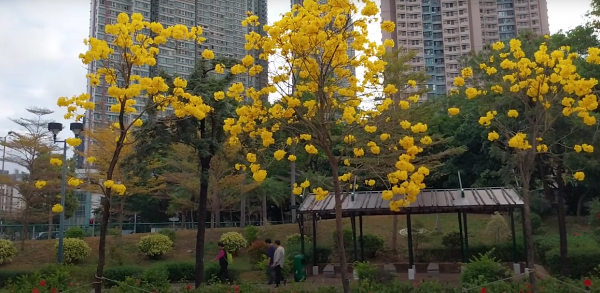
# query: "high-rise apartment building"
441,31
221,22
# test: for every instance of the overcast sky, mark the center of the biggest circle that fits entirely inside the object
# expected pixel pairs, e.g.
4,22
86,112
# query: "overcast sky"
41,40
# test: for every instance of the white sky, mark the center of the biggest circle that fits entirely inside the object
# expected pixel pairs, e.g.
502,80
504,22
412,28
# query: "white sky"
41,40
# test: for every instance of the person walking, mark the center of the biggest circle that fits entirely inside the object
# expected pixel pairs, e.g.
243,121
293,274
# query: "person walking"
223,263
270,254
278,263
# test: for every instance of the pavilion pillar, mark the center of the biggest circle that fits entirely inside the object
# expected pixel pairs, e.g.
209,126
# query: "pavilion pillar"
524,240
462,242
516,265
300,220
354,238
362,240
314,230
466,230
411,261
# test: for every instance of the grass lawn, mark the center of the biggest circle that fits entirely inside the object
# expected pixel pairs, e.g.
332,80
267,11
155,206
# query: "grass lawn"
123,251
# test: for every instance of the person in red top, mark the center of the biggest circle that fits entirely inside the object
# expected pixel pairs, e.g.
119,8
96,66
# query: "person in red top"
222,258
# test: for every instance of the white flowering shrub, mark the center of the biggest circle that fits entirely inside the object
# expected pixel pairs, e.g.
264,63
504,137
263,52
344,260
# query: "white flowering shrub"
7,250
233,241
155,245
74,250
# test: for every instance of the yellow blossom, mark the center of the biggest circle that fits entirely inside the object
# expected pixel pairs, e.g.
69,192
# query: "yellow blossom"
579,176
56,162
279,154
40,184
251,158
291,158
512,113
453,111
57,208
493,136
208,54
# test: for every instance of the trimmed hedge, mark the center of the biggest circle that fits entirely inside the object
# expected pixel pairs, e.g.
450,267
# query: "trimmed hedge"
121,273
180,270
6,275
502,252
583,261
176,271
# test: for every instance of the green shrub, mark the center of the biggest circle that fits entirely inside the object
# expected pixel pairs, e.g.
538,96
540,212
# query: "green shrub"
11,275
233,242
497,230
169,233
286,271
180,271
372,244
296,238
483,269
211,273
114,231
582,261
251,233
157,278
7,250
451,239
347,236
323,252
536,223
155,244
371,273
502,251
75,232
121,273
74,250
546,243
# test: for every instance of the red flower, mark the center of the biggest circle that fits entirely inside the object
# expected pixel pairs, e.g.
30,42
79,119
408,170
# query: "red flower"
43,283
483,290
35,290
575,234
54,290
70,284
587,283
189,287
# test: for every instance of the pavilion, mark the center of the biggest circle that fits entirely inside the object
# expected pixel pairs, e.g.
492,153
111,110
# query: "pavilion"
430,201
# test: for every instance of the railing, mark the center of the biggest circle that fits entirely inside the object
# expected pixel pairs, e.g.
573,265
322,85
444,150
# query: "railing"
40,231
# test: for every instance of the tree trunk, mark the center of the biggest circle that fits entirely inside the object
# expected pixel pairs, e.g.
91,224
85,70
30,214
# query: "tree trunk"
50,220
183,221
218,216
102,245
243,211
580,202
339,223
438,224
395,235
562,221
121,216
202,205
525,176
264,210
25,226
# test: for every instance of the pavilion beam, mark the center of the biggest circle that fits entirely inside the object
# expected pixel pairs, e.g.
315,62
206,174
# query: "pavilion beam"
362,240
411,260
516,265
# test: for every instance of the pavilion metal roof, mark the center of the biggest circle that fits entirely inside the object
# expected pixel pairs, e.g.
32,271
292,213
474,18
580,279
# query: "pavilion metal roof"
428,201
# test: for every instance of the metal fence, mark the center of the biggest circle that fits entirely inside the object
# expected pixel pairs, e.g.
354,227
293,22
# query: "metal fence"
40,231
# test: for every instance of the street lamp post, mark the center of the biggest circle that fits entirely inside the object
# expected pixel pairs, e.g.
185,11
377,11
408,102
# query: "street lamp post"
55,128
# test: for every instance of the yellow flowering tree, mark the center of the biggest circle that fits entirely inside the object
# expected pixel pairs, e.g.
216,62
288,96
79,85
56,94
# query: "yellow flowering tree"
528,94
322,103
134,43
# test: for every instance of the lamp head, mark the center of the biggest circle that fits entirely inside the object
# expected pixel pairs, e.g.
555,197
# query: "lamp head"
55,128
77,128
